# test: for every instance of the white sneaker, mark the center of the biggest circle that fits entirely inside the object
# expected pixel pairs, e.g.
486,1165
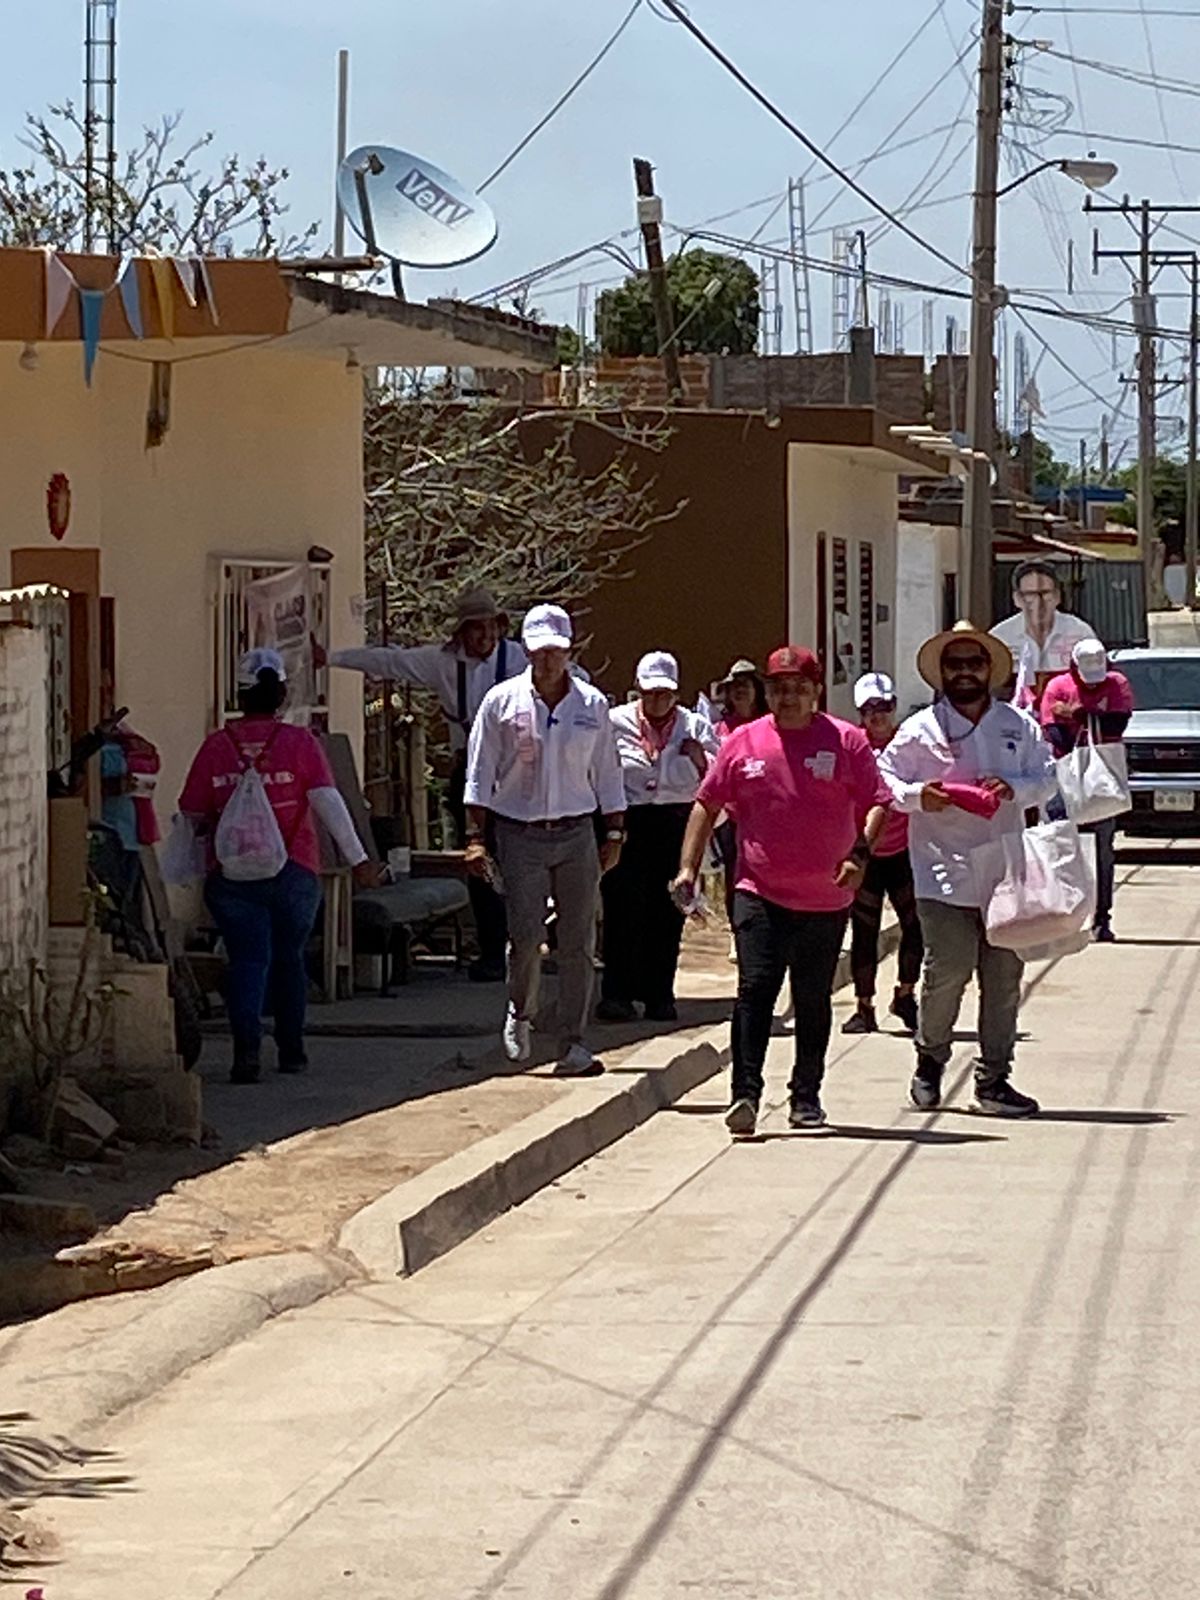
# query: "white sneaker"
517,1046
578,1062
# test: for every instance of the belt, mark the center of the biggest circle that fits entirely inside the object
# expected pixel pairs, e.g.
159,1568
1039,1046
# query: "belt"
548,824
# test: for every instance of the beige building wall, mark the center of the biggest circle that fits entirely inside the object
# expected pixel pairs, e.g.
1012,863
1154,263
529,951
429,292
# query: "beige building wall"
842,494
23,818
263,459
927,554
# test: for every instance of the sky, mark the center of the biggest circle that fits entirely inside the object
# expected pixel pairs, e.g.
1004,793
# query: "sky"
461,81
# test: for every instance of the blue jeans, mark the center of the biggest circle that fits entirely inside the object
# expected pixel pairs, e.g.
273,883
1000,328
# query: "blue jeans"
266,925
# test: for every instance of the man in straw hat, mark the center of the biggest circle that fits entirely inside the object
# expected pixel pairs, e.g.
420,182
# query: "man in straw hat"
965,770
477,656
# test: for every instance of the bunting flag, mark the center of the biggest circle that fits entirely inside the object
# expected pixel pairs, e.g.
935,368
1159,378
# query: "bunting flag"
91,310
162,274
185,266
131,296
206,285
59,282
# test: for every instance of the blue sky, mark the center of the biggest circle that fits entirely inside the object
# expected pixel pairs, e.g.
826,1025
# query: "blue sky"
462,80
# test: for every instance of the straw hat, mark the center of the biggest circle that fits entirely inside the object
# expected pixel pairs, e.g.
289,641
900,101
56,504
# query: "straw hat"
929,657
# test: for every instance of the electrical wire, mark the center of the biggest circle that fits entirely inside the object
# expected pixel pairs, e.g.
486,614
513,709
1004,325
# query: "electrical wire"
1124,138
814,149
563,98
1158,95
1184,86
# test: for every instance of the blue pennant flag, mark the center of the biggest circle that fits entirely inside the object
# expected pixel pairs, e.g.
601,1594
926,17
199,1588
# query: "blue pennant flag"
91,310
131,296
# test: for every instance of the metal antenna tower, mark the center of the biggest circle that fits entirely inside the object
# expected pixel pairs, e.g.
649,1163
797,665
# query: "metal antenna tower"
928,349
99,121
771,307
1020,383
843,252
801,278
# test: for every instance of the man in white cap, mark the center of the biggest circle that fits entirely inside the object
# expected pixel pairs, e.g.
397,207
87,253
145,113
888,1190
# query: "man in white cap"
665,751
965,771
541,761
1091,701
888,877
477,656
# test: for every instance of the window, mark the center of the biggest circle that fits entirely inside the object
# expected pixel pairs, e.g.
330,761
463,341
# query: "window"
843,640
281,604
866,605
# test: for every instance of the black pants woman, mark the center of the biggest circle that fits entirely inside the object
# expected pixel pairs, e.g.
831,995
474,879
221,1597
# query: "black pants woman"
642,925
887,878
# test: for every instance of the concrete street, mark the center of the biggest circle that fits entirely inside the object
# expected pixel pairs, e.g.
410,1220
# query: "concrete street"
928,1356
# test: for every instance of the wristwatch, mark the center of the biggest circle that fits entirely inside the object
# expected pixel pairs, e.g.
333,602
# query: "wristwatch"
861,853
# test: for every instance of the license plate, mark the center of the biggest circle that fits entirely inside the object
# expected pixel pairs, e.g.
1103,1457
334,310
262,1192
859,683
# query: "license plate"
1174,800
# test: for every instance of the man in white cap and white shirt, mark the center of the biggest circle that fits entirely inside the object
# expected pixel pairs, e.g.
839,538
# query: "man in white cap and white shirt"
965,771
541,761
665,752
477,656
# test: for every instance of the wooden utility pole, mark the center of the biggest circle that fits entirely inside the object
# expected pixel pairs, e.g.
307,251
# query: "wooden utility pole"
1192,513
649,211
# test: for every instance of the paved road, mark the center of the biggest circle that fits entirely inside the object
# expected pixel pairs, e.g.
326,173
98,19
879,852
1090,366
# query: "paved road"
921,1356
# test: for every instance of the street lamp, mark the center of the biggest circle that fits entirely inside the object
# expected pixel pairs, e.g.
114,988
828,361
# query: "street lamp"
975,542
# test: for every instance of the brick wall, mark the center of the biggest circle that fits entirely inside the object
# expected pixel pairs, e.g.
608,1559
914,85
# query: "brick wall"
23,812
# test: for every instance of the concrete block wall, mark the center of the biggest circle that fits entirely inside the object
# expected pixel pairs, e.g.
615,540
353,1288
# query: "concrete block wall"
23,818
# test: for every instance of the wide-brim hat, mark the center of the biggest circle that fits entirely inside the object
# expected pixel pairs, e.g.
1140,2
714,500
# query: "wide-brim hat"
929,657
742,668
477,605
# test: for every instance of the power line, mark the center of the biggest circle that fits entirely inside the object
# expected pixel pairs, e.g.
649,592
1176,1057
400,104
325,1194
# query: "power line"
1111,11
785,121
1144,80
562,100
1158,95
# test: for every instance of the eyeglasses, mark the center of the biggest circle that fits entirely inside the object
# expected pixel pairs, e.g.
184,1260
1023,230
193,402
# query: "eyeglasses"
1036,594
964,663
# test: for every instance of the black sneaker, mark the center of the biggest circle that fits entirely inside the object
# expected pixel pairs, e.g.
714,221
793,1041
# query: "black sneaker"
806,1116
293,1064
246,1069
1103,934
1000,1099
904,1006
742,1118
616,1011
862,1021
482,971
661,1011
925,1090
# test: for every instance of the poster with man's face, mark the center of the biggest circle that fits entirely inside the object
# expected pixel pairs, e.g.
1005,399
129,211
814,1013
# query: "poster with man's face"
279,617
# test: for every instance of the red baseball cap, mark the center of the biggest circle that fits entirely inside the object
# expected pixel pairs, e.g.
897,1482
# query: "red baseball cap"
793,661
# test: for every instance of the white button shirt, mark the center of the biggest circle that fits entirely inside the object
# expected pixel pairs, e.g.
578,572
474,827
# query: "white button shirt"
435,666
941,746
1031,658
669,778
529,763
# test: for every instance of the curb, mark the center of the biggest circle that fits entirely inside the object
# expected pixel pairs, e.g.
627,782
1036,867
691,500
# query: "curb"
194,1319
405,1230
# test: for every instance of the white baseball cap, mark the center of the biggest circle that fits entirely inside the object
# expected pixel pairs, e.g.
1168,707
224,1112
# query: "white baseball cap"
873,686
546,628
658,670
256,661
1091,660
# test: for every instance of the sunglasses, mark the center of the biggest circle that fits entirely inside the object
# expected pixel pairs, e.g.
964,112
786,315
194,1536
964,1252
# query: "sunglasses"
973,663
878,707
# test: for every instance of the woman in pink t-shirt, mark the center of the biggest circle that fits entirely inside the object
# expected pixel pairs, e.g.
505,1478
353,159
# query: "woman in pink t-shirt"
266,922
889,876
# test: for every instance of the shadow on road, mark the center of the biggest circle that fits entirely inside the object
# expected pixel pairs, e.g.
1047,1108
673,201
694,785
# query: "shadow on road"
843,1130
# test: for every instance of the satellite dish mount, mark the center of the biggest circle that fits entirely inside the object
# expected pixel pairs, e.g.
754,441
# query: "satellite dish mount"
373,167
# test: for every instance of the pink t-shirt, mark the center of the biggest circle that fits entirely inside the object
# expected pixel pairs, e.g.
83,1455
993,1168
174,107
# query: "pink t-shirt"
1067,695
799,798
894,837
293,765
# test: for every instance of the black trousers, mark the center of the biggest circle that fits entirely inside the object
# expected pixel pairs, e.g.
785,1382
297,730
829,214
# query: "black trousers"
890,878
725,839
1105,834
771,942
487,907
642,924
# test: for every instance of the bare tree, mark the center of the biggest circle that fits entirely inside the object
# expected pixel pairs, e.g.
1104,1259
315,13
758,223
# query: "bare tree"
488,494
160,199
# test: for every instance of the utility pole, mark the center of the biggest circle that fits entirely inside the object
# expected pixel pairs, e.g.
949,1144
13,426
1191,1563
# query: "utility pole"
1146,318
1192,513
1083,488
650,215
975,539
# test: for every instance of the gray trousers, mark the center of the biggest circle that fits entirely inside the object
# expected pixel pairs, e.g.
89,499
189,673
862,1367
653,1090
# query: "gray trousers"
956,949
535,864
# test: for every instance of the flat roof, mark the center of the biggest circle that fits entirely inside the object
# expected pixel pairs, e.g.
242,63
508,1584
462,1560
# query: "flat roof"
260,300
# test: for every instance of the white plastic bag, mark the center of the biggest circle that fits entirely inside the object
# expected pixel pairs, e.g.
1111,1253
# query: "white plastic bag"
248,842
181,859
1046,892
1094,779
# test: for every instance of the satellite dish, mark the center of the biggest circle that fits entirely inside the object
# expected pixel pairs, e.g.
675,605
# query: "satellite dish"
404,207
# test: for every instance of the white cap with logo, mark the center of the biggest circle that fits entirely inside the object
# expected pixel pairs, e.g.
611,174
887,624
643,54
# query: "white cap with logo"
1091,660
546,628
658,670
256,661
873,686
